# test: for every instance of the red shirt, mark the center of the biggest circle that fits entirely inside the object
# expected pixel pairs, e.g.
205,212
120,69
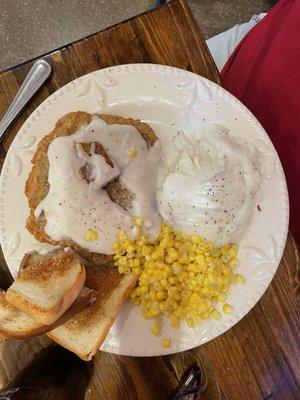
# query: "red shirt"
264,73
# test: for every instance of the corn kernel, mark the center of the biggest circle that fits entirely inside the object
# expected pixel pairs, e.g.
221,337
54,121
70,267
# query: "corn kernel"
183,259
146,250
131,248
174,321
116,247
144,289
138,221
190,322
163,306
196,239
163,283
219,281
240,278
161,295
205,290
121,235
152,313
152,295
201,308
177,296
166,343
195,298
167,269
176,268
91,235
155,329
166,229
136,301
132,152
171,280
206,314
225,289
215,314
137,262
137,270
227,308
233,263
232,253
221,298
227,271
206,281
185,293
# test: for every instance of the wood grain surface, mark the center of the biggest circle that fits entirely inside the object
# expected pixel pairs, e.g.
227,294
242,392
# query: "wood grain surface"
256,359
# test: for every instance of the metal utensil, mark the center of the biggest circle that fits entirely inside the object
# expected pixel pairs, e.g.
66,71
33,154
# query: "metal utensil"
191,386
38,74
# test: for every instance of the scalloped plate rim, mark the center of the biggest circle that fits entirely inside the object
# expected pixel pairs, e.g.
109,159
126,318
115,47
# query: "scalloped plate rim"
217,90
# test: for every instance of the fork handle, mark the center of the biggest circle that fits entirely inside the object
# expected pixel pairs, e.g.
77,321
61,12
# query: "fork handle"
33,81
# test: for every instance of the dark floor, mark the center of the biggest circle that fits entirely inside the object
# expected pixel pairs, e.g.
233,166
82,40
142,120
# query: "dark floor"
215,16
29,28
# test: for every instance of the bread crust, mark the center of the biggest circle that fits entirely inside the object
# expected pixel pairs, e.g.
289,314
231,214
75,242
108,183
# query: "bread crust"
37,186
97,317
45,274
9,312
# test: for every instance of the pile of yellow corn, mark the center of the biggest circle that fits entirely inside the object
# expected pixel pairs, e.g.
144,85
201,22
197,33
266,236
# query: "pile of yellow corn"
180,276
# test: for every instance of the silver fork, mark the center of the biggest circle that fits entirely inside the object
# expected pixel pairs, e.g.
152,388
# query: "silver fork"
38,74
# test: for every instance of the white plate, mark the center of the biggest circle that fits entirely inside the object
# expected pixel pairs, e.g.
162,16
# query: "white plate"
168,99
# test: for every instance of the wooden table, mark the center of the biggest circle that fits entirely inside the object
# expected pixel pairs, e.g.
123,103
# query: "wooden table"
259,357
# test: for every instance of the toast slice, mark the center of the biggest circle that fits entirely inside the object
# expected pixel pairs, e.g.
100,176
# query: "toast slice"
14,324
46,286
85,332
37,186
